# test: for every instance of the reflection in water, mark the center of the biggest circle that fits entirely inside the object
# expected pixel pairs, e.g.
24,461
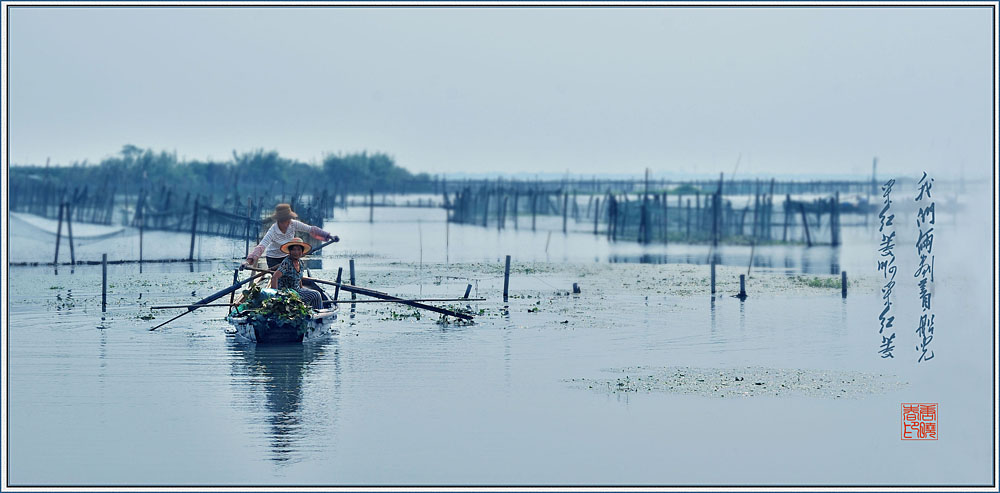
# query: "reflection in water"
277,371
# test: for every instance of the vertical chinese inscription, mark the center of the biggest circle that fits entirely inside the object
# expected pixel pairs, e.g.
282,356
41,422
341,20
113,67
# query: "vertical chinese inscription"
887,266
925,268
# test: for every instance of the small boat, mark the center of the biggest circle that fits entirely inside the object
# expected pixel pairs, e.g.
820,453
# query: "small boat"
320,326
251,329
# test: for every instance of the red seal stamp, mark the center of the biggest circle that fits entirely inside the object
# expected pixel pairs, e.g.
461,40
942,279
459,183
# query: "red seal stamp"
919,421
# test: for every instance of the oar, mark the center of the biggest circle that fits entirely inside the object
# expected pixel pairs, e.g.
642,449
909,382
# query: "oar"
335,302
323,245
378,294
167,307
389,297
210,299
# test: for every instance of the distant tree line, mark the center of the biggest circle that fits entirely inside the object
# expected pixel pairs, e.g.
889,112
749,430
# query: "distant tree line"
248,173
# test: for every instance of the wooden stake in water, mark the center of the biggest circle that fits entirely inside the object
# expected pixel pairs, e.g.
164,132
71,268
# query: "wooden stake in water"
104,282
743,288
843,284
468,289
517,194
353,295
246,228
597,213
835,220
69,232
506,278
713,277
55,261
534,208
194,228
805,224
336,290
142,221
788,213
565,210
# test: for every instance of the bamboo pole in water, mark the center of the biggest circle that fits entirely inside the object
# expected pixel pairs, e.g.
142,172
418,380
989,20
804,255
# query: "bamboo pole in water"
687,233
141,212
835,220
534,208
353,282
506,278
194,228
104,282
565,210
805,223
517,195
55,261
788,213
69,234
597,213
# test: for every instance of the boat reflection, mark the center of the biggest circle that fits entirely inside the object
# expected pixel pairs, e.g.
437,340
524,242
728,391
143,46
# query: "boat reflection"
273,377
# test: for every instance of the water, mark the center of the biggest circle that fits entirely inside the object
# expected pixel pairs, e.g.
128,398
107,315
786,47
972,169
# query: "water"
411,402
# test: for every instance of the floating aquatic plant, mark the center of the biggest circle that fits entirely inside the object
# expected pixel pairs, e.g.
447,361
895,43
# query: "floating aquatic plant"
283,307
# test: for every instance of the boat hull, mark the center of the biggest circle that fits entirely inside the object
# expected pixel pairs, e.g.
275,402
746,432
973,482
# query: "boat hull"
320,327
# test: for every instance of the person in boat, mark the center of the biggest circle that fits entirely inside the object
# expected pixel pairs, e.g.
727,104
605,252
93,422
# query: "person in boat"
281,232
288,274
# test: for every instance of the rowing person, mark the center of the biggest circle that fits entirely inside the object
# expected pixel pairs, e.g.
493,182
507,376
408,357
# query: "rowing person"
281,232
288,274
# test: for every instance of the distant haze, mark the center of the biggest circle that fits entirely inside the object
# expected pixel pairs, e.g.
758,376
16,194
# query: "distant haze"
514,90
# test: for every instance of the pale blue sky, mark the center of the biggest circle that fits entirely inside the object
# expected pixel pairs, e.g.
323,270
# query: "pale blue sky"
591,90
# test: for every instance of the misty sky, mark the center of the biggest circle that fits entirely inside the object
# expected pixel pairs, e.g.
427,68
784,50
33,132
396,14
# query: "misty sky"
516,90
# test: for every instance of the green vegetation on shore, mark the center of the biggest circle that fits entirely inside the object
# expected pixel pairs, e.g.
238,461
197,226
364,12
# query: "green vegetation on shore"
246,172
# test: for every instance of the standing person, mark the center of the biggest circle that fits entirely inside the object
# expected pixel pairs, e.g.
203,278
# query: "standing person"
288,275
282,231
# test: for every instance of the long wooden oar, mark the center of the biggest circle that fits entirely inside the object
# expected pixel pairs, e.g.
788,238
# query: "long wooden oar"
380,295
167,307
313,252
403,301
389,297
210,299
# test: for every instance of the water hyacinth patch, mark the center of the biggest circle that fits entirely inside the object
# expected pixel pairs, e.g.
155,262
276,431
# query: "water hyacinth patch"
283,307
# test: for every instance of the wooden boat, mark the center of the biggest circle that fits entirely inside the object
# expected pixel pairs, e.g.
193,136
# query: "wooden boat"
319,326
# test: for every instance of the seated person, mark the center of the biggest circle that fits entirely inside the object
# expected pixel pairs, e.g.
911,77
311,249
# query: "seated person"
288,275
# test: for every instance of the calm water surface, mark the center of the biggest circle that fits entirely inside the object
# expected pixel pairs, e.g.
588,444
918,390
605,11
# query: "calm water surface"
410,402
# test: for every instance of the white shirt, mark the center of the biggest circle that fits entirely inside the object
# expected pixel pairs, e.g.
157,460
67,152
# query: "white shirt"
274,238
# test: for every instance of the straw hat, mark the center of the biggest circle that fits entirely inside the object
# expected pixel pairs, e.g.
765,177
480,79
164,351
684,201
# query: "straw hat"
296,241
283,212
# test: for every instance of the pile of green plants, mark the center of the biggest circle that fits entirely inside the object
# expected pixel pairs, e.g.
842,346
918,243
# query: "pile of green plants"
282,308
